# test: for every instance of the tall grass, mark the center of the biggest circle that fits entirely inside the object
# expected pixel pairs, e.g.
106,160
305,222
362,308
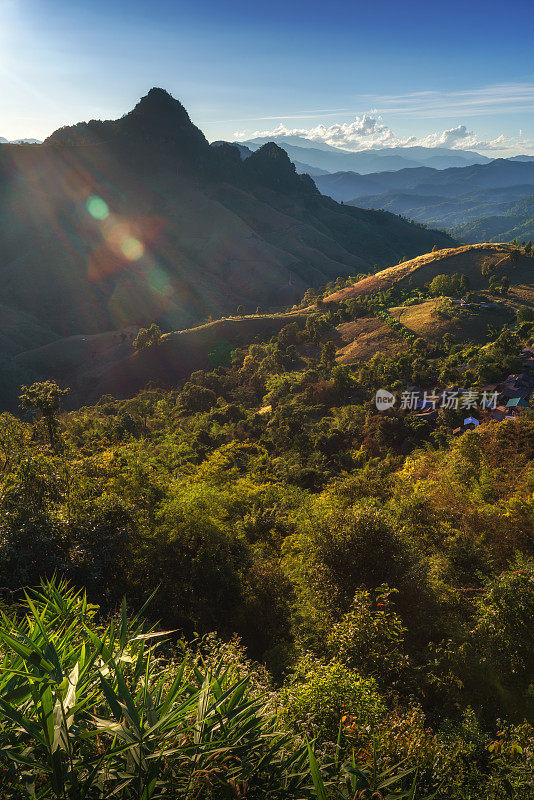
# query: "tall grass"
96,713
90,713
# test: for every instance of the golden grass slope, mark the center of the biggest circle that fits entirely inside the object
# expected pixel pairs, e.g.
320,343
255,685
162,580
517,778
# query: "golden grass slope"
471,324
363,338
467,260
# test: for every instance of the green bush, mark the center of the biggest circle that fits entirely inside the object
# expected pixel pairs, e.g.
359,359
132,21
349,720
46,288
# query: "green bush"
370,637
500,652
318,695
448,285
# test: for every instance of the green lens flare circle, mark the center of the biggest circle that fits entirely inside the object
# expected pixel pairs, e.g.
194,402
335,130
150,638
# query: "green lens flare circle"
97,207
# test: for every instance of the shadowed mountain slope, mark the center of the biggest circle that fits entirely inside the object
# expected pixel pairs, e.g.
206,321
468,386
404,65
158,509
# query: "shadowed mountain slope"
110,225
115,223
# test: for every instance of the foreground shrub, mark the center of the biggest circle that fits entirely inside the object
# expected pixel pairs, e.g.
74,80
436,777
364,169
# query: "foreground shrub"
461,761
370,637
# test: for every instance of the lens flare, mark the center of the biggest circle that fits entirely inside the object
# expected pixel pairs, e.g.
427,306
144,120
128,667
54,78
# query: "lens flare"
97,207
115,232
132,248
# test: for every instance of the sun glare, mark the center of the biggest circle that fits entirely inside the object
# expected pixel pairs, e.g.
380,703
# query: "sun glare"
118,234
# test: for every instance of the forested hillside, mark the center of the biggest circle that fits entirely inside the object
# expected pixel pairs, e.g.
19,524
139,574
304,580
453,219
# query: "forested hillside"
512,220
377,567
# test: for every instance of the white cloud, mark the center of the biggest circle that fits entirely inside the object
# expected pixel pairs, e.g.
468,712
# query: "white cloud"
460,137
363,131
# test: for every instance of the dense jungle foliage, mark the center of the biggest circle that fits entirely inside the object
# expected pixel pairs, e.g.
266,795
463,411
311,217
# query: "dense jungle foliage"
332,575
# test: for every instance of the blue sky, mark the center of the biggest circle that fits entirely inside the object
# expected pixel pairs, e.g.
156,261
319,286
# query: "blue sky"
355,74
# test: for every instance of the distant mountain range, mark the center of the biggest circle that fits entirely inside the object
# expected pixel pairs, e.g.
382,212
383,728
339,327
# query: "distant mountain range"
500,173
19,141
318,157
116,224
446,199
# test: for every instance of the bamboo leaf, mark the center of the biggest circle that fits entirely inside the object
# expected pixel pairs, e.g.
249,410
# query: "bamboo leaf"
126,697
318,784
202,707
112,699
153,635
123,635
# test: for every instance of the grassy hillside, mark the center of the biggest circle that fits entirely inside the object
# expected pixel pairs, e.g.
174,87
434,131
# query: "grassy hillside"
364,338
108,364
428,320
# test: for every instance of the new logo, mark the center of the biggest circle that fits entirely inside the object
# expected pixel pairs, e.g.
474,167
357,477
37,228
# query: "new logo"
384,399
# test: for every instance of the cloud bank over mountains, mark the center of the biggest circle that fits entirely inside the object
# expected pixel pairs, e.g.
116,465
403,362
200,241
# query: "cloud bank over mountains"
370,131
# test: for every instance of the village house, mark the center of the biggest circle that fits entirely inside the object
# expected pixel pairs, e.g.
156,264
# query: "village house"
515,404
